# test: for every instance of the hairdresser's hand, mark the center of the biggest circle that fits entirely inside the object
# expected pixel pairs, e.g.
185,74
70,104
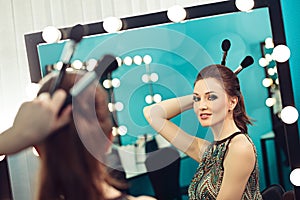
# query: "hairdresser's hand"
37,119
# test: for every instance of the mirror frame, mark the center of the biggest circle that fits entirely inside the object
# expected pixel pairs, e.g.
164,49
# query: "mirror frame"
274,6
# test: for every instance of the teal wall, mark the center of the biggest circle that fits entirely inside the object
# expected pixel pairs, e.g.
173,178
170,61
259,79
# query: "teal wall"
179,51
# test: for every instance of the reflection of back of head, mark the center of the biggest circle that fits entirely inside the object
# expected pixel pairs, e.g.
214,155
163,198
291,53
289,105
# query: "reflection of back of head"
68,167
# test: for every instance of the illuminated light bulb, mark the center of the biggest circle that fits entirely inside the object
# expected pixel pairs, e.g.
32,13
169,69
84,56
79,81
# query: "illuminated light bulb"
115,82
114,131
137,60
271,71
111,107
77,64
147,59
91,64
295,177
107,84
157,98
51,34
263,62
244,5
149,99
127,61
119,106
154,77
269,43
281,53
69,69
122,130
119,61
270,102
112,24
176,13
145,78
35,152
58,65
277,81
289,115
269,58
267,82
2,157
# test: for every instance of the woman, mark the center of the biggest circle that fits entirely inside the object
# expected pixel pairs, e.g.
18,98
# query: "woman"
73,157
228,166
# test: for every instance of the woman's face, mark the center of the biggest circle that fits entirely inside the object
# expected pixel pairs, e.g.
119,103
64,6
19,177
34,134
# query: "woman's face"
211,102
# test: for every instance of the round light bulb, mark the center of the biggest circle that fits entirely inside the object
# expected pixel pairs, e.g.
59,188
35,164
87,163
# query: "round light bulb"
268,57
271,71
244,5
58,65
295,177
116,82
267,82
127,61
263,62
149,99
157,98
114,131
122,130
270,102
107,84
51,34
137,60
176,13
119,106
154,77
289,115
145,78
2,157
119,60
111,107
77,64
112,24
269,43
147,59
281,53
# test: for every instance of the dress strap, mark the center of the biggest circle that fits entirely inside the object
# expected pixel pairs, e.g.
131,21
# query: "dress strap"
227,138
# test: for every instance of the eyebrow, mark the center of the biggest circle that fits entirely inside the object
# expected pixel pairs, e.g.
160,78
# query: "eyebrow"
206,93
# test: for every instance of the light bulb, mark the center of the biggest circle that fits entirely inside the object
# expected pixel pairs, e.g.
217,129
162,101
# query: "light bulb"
147,59
149,99
119,60
51,34
111,107
114,131
271,71
115,82
107,84
267,82
112,24
157,98
270,102
244,5
119,106
289,115
281,53
77,64
127,61
154,77
269,43
137,60
122,130
263,62
145,78
2,157
295,177
268,57
176,13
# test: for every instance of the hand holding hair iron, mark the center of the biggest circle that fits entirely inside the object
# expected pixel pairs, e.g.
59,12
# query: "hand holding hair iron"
106,65
76,35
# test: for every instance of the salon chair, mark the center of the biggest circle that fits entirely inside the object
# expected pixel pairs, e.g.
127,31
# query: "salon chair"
163,169
273,192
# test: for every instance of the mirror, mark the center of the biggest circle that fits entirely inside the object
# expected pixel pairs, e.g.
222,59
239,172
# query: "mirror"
178,51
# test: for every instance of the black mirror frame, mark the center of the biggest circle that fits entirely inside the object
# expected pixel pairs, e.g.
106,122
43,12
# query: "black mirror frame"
278,33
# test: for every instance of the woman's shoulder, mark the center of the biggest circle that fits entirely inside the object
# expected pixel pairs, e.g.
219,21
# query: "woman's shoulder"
141,198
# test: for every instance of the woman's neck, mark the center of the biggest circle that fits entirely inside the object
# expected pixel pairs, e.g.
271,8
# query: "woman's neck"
224,129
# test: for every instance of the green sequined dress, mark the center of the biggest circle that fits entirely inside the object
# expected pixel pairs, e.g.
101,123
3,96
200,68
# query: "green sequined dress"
207,180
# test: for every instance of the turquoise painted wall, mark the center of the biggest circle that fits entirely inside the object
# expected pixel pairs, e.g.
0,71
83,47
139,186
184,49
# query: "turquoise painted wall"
178,52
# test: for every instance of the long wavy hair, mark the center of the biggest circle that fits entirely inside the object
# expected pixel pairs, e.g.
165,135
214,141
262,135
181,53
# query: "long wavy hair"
231,85
70,169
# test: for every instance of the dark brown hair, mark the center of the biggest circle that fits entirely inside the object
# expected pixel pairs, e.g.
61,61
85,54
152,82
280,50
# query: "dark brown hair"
231,85
69,170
